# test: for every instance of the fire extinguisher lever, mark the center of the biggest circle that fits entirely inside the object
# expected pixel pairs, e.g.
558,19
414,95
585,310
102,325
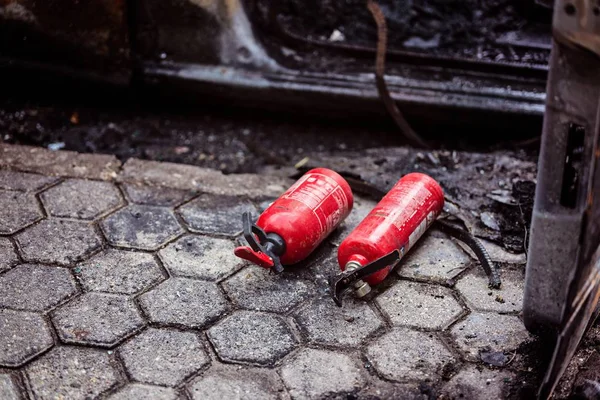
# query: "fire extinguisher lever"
343,282
270,244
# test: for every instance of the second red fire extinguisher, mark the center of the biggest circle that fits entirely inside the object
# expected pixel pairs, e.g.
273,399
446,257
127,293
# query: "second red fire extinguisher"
376,245
298,221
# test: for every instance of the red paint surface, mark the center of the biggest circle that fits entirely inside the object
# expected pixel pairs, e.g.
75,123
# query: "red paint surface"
397,222
308,212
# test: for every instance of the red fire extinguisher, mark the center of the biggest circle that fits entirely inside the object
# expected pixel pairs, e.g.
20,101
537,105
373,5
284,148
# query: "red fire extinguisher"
376,245
298,221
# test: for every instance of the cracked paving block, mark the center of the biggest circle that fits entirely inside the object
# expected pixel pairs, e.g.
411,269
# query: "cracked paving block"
256,288
80,198
404,355
489,332
163,356
24,335
142,391
23,181
509,298
187,302
419,305
435,259
72,373
475,382
35,287
119,271
323,322
229,382
8,389
252,337
58,241
156,196
17,210
8,257
316,374
98,319
200,257
141,227
362,207
216,214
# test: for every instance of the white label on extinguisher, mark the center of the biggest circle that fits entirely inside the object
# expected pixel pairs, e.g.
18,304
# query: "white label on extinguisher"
420,230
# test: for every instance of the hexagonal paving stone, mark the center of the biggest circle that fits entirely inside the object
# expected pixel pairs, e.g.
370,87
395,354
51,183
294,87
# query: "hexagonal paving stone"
229,382
156,196
323,322
98,319
8,256
142,391
200,257
475,382
404,355
119,271
35,287
163,356
509,298
216,214
58,241
23,181
186,302
256,288
141,227
419,305
8,389
316,374
362,207
80,198
252,337
489,332
24,335
17,210
434,259
71,373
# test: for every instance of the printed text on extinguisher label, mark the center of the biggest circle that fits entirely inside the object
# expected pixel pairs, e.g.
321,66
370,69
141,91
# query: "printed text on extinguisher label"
323,196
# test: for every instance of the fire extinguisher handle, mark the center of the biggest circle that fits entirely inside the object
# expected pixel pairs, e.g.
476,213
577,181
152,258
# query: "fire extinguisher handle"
250,230
343,282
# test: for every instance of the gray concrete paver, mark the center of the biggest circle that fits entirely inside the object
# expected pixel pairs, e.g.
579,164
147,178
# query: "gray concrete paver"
256,288
252,337
200,257
97,319
156,196
17,210
507,299
323,322
216,214
419,305
8,389
476,382
24,335
69,372
8,256
141,391
186,302
24,181
141,227
35,287
58,241
315,374
80,198
119,271
163,356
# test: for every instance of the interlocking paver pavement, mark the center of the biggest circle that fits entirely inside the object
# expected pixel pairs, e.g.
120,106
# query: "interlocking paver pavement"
200,257
99,319
24,334
119,271
35,287
71,373
120,300
58,241
79,198
163,356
